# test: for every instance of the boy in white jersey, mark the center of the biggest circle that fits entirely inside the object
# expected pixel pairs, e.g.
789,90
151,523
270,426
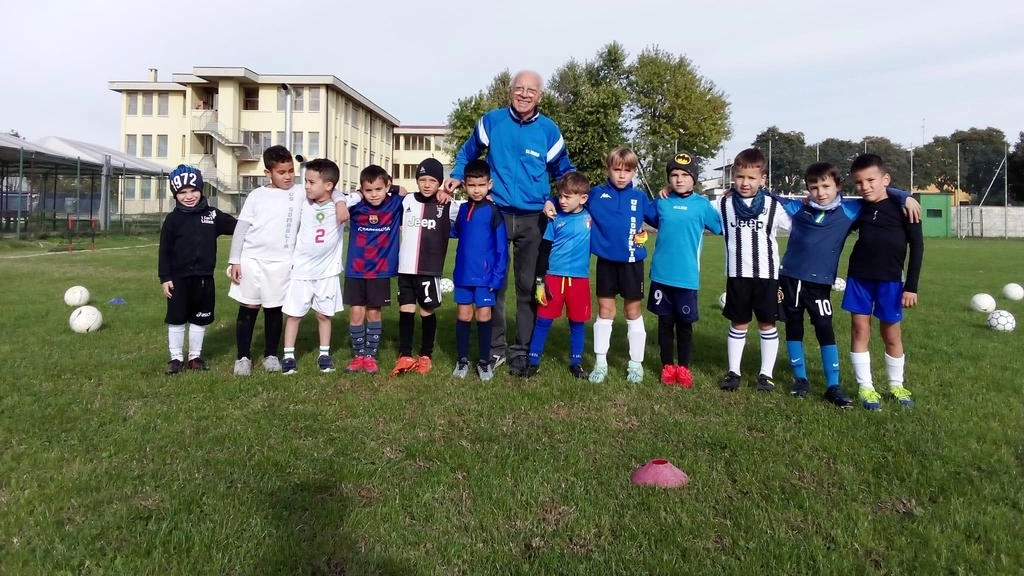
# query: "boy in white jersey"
426,226
261,253
316,264
750,220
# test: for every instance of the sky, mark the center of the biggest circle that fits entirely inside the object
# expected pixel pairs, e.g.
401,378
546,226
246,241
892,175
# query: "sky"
904,70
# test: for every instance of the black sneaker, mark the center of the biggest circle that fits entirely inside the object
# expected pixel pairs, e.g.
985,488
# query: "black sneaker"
800,387
518,366
765,383
174,367
577,371
731,382
197,364
837,397
530,371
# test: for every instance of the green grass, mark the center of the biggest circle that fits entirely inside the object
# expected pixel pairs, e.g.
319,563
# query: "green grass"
109,467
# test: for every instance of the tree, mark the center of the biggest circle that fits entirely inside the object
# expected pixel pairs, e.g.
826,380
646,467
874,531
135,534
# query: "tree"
896,157
788,157
1016,167
981,155
671,107
656,104
840,153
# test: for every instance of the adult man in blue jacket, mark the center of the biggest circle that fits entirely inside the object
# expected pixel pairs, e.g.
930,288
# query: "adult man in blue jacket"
524,150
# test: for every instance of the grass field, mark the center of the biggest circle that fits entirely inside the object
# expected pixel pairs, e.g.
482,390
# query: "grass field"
109,467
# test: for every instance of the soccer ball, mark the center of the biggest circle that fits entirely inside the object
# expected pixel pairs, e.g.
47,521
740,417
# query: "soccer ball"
1001,321
85,319
76,296
839,285
721,301
447,286
1013,291
983,302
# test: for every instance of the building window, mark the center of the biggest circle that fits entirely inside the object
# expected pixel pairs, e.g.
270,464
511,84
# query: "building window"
146,189
409,171
297,99
396,170
257,142
251,182
296,143
161,146
129,189
417,142
147,146
438,142
373,157
182,145
251,98
162,101
373,127
133,103
314,99
314,142
355,116
354,156
279,138
131,144
348,112
147,103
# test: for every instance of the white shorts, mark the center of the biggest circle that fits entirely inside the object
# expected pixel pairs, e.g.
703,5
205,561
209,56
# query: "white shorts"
263,282
324,295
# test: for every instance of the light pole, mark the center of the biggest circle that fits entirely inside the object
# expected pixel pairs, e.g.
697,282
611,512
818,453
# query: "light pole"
769,163
911,169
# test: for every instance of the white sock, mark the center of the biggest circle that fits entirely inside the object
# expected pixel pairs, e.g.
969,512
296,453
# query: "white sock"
195,340
636,334
769,350
894,367
289,353
602,339
737,340
861,362
176,340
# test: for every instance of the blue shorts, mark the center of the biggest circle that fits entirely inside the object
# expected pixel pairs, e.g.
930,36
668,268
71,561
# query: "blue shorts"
883,299
479,296
680,303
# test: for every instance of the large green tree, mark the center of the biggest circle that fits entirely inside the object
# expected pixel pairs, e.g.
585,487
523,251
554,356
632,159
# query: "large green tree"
788,156
1016,167
896,157
841,154
656,104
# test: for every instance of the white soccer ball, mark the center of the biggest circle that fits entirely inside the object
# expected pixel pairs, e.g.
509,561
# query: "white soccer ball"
983,302
447,286
839,285
721,301
85,319
1013,291
1001,321
76,296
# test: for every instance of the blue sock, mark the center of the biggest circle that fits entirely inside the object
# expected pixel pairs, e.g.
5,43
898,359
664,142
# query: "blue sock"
462,338
539,337
483,335
796,358
576,334
373,330
830,363
357,334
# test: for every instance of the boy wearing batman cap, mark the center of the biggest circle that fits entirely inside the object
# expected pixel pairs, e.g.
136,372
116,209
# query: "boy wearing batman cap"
681,218
187,257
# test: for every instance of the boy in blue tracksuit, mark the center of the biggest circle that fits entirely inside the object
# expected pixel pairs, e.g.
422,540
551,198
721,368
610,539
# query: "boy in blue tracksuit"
480,262
681,219
819,229
617,238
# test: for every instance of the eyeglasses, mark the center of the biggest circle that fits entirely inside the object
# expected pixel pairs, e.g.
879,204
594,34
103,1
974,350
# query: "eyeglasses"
520,90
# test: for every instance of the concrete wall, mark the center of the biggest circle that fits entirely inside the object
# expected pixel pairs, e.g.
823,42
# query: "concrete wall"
989,221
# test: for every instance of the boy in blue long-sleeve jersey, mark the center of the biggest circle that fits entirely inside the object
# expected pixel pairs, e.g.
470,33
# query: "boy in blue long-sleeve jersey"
480,263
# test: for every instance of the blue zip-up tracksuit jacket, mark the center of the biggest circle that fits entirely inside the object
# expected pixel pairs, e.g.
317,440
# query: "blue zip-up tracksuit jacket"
481,258
616,216
521,155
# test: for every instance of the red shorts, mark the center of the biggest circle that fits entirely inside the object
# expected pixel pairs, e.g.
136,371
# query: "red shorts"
573,293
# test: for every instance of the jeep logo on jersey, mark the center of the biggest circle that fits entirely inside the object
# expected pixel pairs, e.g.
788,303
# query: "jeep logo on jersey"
421,223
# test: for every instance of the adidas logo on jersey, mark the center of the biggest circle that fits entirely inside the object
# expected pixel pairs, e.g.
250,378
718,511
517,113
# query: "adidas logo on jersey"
421,223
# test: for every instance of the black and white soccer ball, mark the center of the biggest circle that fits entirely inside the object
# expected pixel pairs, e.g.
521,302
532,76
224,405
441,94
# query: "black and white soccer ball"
1001,321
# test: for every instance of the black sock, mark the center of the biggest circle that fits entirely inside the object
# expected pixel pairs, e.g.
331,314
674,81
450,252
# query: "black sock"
462,332
406,325
483,334
666,338
429,332
684,342
272,322
244,325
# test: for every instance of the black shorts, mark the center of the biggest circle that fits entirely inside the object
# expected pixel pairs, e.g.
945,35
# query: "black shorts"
747,297
192,301
624,279
680,303
800,295
369,292
419,289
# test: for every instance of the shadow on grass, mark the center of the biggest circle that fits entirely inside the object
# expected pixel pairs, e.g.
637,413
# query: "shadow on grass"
310,524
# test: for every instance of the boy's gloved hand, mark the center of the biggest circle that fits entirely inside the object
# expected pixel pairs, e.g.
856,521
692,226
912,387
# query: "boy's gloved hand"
540,291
